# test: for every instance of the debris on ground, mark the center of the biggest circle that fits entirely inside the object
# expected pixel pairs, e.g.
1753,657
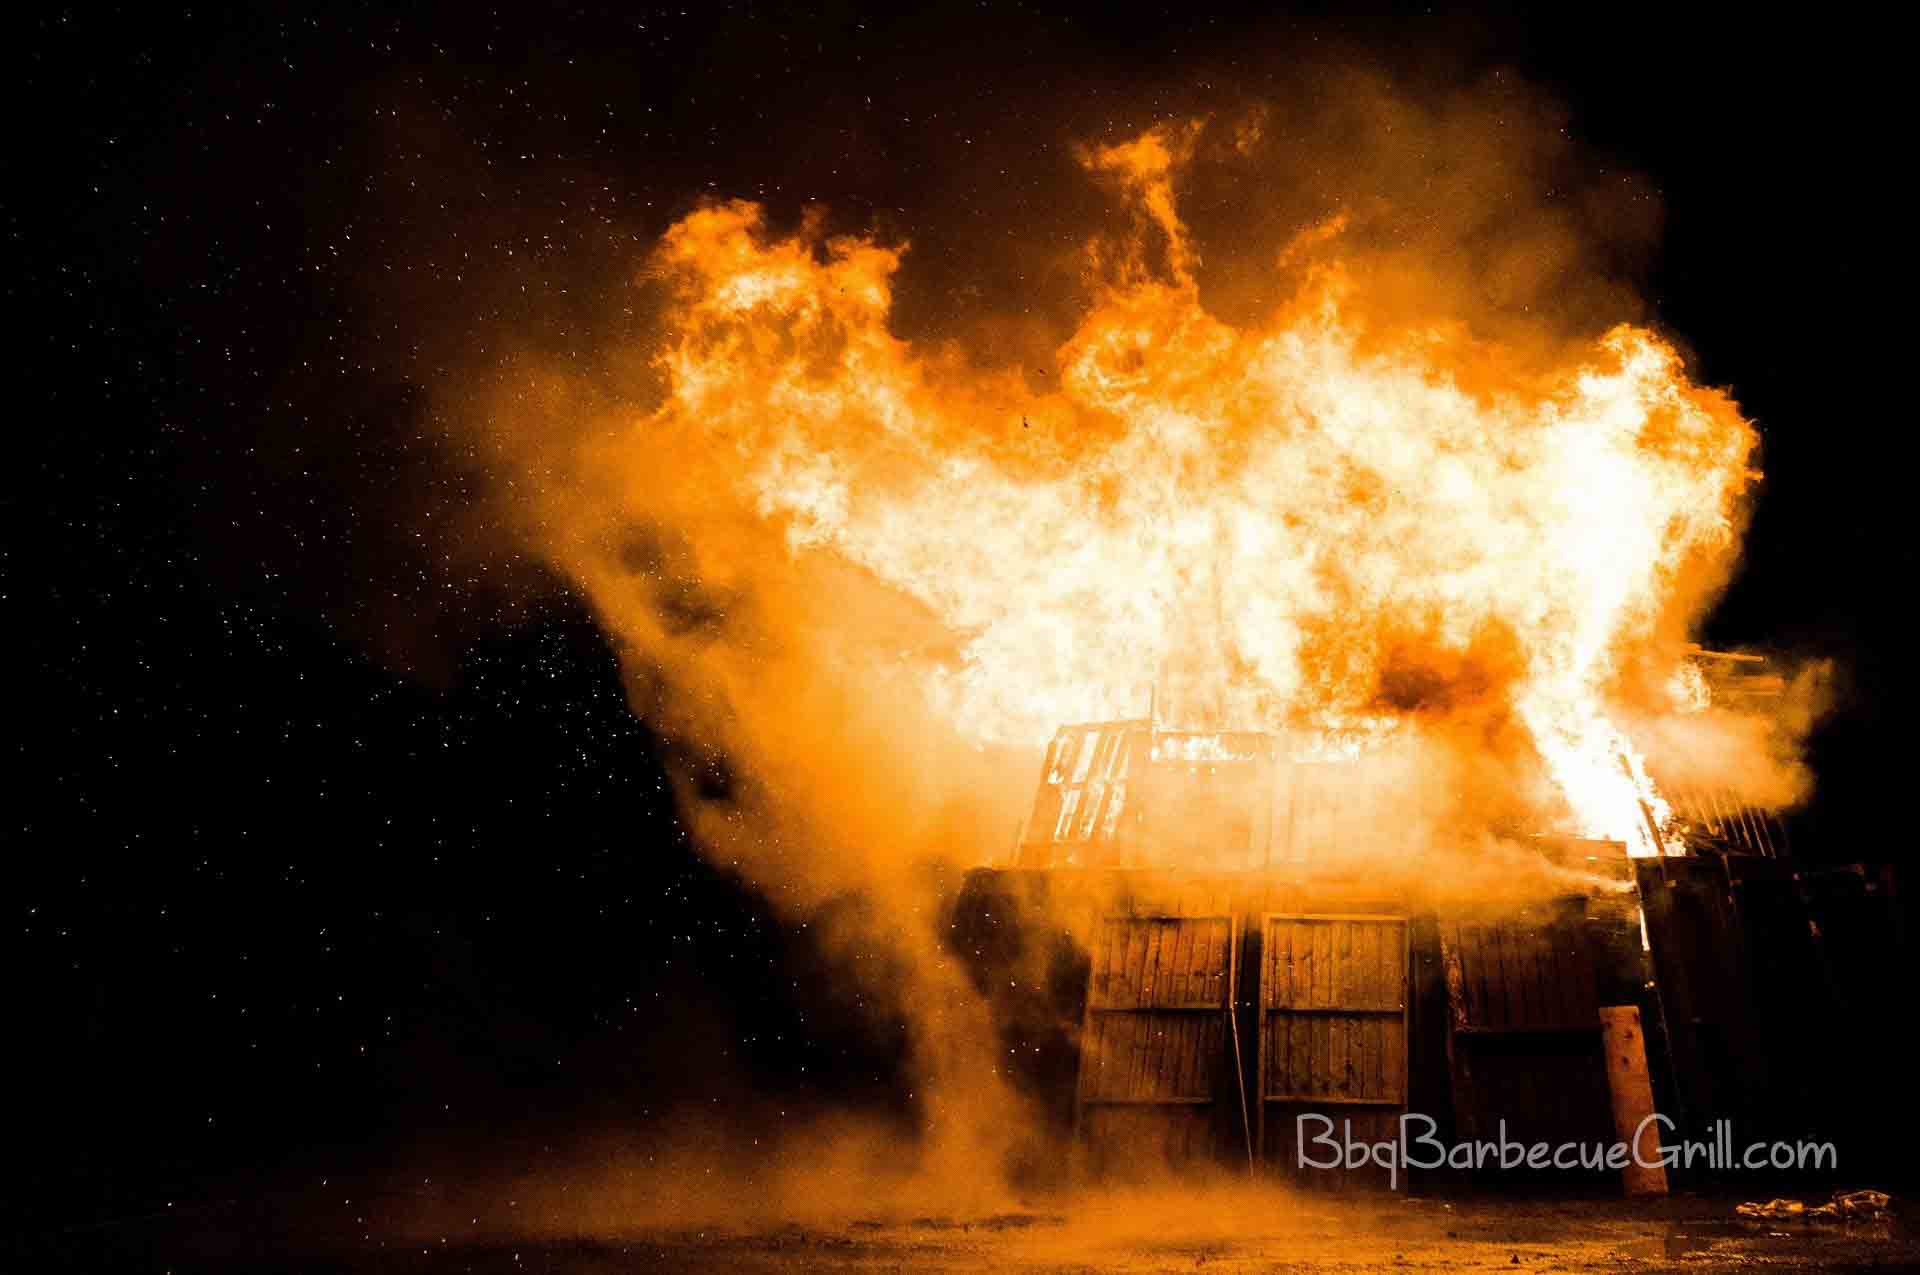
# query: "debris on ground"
1846,1206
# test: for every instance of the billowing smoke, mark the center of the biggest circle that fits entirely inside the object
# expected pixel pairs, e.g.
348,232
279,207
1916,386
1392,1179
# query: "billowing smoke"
1343,438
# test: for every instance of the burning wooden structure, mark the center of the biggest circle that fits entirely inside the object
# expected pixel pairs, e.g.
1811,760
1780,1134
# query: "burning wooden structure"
1191,1014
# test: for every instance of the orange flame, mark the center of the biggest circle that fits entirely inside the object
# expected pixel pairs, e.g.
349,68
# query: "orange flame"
1309,524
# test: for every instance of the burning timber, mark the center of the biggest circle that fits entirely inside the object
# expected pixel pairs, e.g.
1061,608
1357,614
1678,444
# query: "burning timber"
1188,1016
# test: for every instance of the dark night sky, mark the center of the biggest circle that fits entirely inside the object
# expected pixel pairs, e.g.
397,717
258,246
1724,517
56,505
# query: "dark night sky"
317,849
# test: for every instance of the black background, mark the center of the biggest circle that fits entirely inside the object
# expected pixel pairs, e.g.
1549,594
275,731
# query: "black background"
315,855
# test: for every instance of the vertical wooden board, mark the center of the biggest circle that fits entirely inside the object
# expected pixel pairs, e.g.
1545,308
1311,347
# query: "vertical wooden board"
1097,965
1487,953
1200,982
1143,1030
1322,1054
1484,965
1198,992
1125,1033
1299,1054
1513,971
1308,1075
1451,972
1208,948
1541,997
1367,1070
1297,976
1568,974
1180,1040
1512,975
1149,964
1493,1000
1553,990
1132,951
1513,951
1286,963
1516,947
1479,1012
1631,1092
1586,979
1108,1074
1386,938
1130,1028
1469,1009
1339,1029
1345,988
1388,1033
1220,963
1368,982
1547,994
1086,1082
1197,1078
1300,969
1291,1051
1173,1038
1126,1057
1322,966
1148,1030
1155,1028
1273,944
1302,965
1117,937
1170,1039
1180,980
1192,1078
1277,991
1397,963
1116,1056
1394,1059
1159,1047
1546,997
1179,953
1307,970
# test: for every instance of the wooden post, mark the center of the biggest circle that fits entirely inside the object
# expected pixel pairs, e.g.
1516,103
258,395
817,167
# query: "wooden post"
1632,1090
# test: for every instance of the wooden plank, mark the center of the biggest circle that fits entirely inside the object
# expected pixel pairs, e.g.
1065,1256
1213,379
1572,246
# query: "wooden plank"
1340,1029
1170,960
1372,1032
1393,1055
1516,953
1274,947
1512,977
1472,1007
1158,1048
1150,963
1216,951
1323,972
1179,978
1189,1078
1281,993
1113,947
1132,947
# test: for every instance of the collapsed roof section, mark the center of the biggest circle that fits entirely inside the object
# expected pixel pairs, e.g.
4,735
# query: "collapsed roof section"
1129,794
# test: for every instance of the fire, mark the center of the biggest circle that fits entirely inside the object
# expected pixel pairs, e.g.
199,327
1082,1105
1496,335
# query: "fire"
1312,524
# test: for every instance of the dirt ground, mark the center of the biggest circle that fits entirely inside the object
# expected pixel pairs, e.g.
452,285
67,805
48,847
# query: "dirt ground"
1219,1232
